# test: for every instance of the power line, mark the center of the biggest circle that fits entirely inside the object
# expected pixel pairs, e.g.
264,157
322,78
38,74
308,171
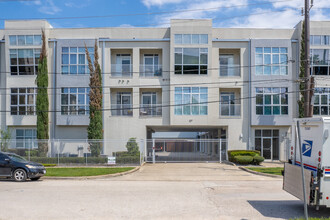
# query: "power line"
138,14
164,105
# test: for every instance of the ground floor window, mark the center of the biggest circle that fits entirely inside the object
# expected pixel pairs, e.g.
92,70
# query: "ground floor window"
25,138
267,142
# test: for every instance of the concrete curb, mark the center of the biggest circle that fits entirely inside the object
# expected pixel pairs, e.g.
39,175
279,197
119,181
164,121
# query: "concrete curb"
92,177
261,174
229,163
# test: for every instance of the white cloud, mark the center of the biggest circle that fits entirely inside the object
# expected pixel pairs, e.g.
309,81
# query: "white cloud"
261,18
48,7
195,10
150,3
82,4
126,25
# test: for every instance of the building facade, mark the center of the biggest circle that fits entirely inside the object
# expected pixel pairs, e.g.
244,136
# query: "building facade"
238,84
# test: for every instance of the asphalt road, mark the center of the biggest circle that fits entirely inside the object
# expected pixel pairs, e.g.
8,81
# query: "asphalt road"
160,191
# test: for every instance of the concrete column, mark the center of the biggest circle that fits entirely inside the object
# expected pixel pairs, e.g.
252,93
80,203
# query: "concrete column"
136,63
136,102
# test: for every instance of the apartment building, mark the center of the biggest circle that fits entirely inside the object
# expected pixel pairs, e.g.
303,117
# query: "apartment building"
238,84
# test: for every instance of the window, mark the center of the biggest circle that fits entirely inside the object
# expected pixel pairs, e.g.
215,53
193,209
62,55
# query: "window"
74,60
190,38
228,66
190,60
321,101
190,100
271,101
319,39
25,138
123,66
271,60
149,105
123,106
75,101
229,105
151,66
24,40
320,61
23,101
24,61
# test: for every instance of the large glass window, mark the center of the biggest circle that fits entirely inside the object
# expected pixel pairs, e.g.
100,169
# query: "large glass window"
271,60
321,101
75,101
25,138
24,40
74,60
190,38
123,106
191,100
190,60
228,67
320,61
271,101
24,61
319,39
23,101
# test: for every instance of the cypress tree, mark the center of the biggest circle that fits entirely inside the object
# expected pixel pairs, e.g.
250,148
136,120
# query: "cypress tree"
303,59
42,103
95,127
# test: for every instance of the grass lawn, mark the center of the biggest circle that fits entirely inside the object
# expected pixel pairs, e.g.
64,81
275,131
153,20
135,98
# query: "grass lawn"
270,170
72,172
311,219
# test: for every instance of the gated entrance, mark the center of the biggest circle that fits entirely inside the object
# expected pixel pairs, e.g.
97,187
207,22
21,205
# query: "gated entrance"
186,150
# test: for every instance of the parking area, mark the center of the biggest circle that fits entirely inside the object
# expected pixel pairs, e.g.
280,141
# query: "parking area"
158,191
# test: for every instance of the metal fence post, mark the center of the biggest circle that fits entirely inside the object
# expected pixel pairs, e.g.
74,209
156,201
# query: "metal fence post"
220,152
58,153
153,151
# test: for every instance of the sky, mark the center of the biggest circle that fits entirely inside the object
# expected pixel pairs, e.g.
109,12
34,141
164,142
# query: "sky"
158,13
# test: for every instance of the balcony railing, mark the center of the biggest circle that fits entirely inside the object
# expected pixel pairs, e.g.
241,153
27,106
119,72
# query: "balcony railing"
149,110
122,110
150,70
121,70
230,109
229,70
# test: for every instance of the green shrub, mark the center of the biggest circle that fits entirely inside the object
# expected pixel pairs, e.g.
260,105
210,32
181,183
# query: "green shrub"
128,159
258,159
243,159
233,153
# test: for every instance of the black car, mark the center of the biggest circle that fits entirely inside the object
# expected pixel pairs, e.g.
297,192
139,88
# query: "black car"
18,168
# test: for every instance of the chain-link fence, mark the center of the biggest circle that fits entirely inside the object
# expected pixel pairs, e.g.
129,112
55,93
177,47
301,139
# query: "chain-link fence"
186,150
78,152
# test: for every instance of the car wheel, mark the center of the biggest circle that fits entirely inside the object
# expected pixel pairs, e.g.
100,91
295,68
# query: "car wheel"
20,175
35,179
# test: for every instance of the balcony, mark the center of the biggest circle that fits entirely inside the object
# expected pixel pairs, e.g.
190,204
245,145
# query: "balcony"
230,70
150,71
122,110
230,109
121,70
148,110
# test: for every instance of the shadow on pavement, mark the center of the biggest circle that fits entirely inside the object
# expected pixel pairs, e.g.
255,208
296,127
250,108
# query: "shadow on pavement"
287,209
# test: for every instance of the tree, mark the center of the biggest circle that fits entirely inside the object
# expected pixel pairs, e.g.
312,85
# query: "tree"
42,103
5,138
95,127
132,146
303,59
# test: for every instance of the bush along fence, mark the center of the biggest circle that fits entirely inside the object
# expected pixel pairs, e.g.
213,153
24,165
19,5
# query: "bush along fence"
245,157
78,152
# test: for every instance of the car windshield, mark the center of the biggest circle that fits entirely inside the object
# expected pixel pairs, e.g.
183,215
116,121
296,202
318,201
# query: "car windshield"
17,158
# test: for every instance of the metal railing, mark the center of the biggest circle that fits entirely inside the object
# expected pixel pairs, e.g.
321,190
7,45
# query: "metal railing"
122,110
121,70
230,109
150,70
150,110
229,70
78,151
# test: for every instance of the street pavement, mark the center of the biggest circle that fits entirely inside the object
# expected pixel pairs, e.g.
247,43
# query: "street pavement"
156,191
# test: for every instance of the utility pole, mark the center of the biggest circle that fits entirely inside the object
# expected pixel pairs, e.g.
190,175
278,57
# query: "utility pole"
307,93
